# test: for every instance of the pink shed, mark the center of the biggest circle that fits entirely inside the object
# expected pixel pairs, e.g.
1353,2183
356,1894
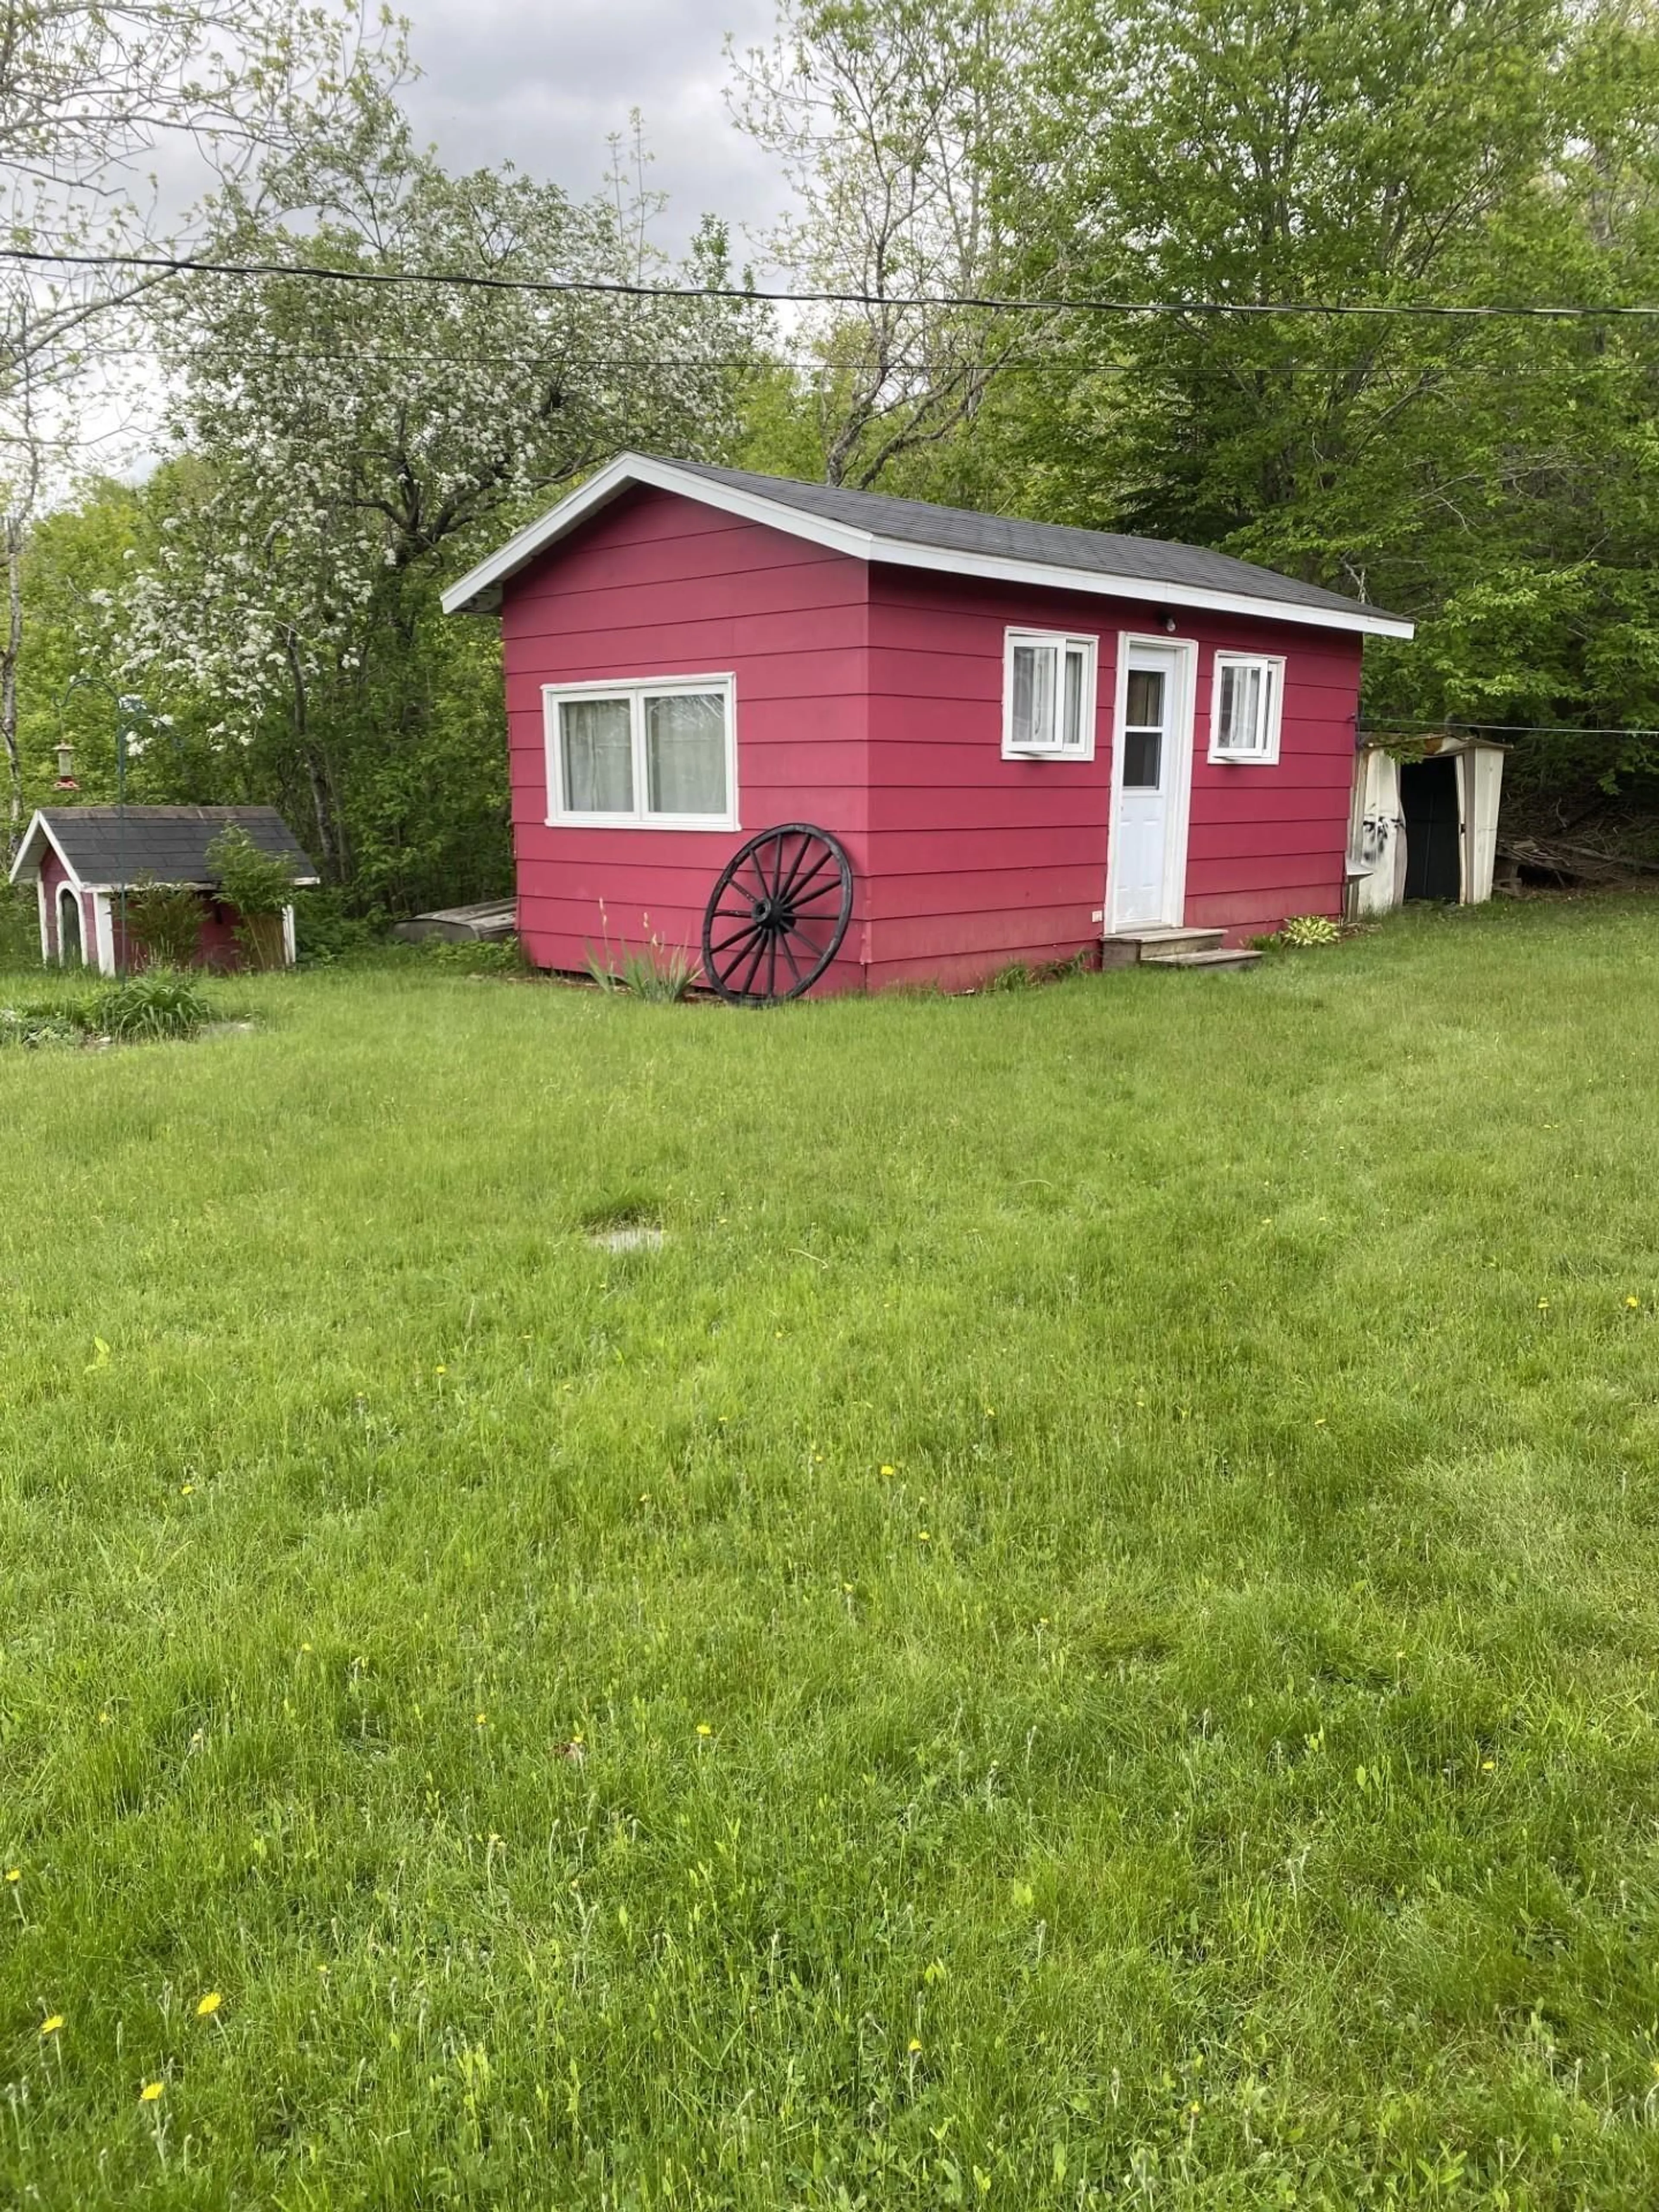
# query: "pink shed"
1030,741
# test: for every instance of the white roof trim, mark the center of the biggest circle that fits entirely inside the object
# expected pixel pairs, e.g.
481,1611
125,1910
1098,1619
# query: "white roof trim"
192,883
38,822
479,590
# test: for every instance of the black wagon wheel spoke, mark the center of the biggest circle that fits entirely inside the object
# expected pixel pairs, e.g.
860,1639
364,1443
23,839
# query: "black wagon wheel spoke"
803,853
777,916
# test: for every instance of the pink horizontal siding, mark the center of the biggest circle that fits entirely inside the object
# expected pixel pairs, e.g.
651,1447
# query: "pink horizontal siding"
659,586
955,823
869,700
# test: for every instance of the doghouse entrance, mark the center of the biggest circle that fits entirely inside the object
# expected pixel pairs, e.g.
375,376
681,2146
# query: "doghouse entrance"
1432,804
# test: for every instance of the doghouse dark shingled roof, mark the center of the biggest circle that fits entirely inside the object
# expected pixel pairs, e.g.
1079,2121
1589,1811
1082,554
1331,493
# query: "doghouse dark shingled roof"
1057,544
102,844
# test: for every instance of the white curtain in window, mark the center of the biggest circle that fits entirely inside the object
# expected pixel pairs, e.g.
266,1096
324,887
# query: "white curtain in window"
595,747
1033,713
1243,708
685,753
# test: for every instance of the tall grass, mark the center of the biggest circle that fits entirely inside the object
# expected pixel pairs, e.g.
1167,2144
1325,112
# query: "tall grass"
1081,1633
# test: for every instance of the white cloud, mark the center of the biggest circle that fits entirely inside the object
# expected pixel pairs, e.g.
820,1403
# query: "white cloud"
544,87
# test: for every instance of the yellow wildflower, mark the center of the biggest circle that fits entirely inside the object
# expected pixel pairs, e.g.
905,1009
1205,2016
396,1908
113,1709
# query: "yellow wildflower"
50,2026
704,1728
887,1470
916,2045
150,2092
14,1874
210,2003
1632,1302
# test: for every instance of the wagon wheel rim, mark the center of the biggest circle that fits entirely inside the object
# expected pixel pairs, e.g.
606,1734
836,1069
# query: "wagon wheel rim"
777,916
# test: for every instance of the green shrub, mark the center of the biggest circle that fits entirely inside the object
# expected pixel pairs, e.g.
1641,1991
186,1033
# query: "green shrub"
258,885
20,926
1304,930
37,1029
488,955
157,1002
326,931
166,919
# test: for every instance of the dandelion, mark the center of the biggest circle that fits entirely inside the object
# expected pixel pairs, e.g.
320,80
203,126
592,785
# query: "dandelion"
922,1536
305,1647
441,1370
103,1720
186,1489
480,1720
1543,1305
14,1874
50,2026
1487,1765
704,1728
916,2045
207,2006
150,2092
1632,1302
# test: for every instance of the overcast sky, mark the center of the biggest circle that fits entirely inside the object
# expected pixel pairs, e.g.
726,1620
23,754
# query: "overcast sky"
543,82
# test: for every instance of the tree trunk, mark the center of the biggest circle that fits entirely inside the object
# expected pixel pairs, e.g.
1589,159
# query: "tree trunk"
12,531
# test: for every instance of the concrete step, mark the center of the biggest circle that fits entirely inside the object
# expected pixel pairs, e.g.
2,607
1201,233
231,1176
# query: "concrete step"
1213,957
1125,947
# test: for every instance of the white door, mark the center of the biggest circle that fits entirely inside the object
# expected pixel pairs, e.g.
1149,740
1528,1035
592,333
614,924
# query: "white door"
1144,862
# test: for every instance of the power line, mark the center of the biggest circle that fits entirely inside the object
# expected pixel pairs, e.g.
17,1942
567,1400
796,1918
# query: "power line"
1399,724
183,265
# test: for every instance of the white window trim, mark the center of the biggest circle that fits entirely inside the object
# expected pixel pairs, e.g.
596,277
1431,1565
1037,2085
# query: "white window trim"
1090,647
636,690
1274,664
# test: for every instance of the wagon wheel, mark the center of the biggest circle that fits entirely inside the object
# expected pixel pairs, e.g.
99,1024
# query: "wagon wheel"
778,916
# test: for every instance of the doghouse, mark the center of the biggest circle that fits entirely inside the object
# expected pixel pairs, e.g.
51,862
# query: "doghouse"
81,859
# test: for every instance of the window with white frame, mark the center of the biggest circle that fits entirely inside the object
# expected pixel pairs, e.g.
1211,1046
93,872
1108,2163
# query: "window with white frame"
1048,696
660,753
1244,713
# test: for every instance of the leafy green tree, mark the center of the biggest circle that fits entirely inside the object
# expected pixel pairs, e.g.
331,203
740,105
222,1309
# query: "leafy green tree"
353,444
91,93
888,117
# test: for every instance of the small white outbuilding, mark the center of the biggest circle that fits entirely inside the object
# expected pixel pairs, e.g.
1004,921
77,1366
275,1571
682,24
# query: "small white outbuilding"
1424,829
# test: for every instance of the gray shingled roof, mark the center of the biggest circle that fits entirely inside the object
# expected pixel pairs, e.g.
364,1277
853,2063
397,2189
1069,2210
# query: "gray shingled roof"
106,845
1099,552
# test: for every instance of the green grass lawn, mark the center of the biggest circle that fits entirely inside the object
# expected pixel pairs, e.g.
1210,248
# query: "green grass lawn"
1083,1634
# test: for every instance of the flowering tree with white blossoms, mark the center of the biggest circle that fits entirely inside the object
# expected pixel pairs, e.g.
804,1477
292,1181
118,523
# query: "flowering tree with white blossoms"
351,444
94,95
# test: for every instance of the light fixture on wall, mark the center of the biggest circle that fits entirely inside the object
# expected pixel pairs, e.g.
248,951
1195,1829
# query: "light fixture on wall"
1169,624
